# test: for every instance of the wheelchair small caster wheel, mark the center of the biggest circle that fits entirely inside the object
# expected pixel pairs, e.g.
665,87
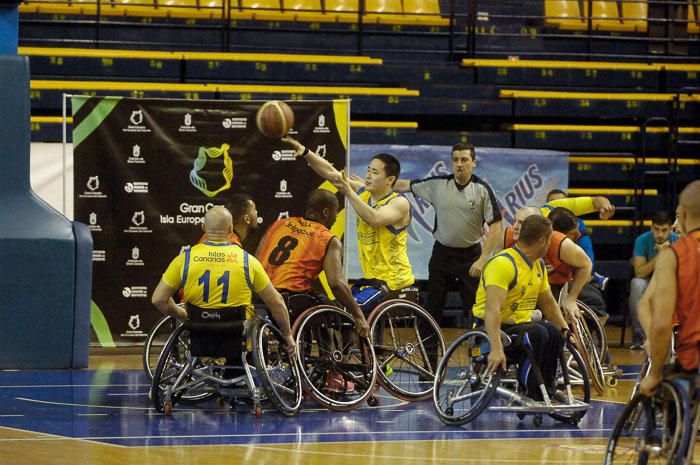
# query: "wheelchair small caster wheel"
168,408
537,420
449,411
521,415
258,411
372,401
612,381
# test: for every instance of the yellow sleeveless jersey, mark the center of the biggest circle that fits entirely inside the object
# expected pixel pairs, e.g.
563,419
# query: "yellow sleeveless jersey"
216,275
522,280
383,253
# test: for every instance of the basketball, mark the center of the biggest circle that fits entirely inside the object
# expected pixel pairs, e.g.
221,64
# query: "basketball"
274,119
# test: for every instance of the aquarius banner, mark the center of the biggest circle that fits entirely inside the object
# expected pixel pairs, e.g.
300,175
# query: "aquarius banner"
146,171
518,177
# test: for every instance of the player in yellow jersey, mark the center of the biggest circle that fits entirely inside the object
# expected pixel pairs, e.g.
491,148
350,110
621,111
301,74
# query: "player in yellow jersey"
513,284
219,275
383,217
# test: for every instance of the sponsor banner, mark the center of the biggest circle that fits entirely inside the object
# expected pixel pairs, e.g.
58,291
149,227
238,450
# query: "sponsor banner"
518,177
147,170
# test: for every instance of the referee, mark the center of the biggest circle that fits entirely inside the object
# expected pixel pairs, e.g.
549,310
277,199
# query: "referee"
463,203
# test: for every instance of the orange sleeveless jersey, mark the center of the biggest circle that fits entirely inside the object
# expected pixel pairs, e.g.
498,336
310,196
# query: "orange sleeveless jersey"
293,251
687,311
558,271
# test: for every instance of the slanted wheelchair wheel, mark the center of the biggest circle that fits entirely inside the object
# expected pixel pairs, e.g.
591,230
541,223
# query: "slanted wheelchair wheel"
581,392
337,367
643,371
173,359
278,372
408,346
462,388
589,353
157,337
164,393
650,429
597,331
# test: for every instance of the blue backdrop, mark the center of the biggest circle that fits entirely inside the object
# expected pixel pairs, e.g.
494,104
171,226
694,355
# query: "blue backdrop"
518,177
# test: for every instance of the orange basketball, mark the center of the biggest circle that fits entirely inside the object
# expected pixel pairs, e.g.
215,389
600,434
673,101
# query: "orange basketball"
274,119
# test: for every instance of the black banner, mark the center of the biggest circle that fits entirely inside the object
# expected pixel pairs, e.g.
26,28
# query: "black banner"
146,171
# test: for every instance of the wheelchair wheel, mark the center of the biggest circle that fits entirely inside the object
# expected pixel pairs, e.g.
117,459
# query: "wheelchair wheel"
337,367
650,429
157,337
581,392
408,345
589,353
173,360
278,373
462,388
597,331
643,371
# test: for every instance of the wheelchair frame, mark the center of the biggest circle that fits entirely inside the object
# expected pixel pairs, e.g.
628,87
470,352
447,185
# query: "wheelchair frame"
179,372
472,385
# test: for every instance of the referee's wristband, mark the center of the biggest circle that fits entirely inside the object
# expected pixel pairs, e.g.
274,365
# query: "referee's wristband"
305,152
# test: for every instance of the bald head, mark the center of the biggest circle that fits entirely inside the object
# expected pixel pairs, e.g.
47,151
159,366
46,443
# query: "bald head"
520,216
322,206
218,222
689,207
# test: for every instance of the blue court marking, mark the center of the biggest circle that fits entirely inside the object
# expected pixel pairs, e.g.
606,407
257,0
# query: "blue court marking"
113,407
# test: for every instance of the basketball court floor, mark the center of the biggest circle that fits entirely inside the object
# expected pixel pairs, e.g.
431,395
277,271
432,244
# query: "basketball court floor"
102,415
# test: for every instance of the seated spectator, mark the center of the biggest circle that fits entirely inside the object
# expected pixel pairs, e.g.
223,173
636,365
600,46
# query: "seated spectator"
646,248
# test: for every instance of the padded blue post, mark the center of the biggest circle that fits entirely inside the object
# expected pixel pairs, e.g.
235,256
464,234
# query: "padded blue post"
37,248
9,22
83,293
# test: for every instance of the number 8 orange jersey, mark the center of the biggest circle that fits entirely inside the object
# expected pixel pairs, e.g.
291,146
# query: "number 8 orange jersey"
292,252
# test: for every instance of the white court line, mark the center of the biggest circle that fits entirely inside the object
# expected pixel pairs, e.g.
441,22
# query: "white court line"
128,394
6,416
51,437
422,459
92,414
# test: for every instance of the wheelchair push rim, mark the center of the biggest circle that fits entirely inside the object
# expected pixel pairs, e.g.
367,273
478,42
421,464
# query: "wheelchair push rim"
328,346
462,387
408,345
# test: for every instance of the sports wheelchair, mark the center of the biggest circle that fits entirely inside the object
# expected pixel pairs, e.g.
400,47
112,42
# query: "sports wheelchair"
463,388
210,355
662,428
401,353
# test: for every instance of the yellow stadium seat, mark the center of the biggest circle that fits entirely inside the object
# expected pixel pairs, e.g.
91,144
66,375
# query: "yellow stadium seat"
565,14
307,10
425,7
266,10
693,23
606,16
635,14
343,10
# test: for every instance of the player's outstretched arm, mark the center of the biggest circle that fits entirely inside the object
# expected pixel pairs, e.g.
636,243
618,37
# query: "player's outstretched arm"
320,165
395,213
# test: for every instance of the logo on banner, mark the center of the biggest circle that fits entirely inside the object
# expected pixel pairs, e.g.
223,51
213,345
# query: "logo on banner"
321,150
135,259
133,292
134,322
284,214
92,189
235,123
137,187
136,119
522,193
282,192
136,155
99,255
187,124
204,154
321,127
137,220
94,226
283,155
